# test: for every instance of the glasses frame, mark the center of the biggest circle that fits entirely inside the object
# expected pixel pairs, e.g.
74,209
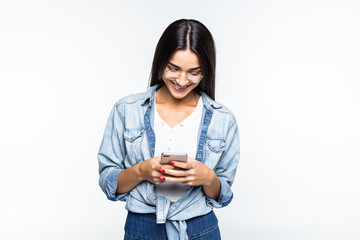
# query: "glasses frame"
181,73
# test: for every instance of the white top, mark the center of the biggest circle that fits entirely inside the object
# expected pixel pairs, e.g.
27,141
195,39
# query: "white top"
182,139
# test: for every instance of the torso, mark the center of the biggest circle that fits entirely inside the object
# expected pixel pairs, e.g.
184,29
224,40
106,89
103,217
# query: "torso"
181,138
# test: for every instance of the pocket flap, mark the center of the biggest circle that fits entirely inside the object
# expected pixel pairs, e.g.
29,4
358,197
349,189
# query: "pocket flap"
216,145
132,134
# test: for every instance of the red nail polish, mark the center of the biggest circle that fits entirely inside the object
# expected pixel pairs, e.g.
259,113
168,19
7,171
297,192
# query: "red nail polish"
162,178
162,170
171,162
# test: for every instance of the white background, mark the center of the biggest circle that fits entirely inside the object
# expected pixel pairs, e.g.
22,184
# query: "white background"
289,70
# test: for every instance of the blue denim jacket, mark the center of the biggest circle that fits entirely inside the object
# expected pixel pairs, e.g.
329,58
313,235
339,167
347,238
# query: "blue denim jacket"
129,139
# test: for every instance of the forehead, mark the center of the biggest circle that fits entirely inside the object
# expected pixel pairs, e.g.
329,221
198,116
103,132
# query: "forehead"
185,59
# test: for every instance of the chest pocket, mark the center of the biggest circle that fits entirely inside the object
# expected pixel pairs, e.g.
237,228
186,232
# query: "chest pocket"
213,151
134,139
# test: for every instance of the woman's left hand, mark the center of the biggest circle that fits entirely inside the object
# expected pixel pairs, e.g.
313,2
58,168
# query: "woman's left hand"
192,173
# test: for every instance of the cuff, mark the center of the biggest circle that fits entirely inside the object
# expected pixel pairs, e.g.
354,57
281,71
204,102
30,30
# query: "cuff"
111,186
225,196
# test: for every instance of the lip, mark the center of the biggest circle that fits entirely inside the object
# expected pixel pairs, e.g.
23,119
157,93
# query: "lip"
179,89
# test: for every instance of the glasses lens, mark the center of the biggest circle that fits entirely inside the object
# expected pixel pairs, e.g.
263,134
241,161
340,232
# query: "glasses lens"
172,74
175,74
194,78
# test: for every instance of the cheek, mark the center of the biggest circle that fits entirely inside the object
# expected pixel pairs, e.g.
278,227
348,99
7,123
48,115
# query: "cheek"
195,85
167,82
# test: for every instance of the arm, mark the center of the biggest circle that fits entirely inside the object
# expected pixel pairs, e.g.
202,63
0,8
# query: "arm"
131,177
111,155
213,186
226,167
115,179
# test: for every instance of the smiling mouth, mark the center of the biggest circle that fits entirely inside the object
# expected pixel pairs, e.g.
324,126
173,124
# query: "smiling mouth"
178,87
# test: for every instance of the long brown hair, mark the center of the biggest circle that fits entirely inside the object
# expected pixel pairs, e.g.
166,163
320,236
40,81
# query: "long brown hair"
180,35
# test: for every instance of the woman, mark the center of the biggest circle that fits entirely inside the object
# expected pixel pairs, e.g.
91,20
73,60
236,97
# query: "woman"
177,114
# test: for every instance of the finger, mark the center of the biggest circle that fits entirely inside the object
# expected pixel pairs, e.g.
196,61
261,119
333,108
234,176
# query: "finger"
156,165
174,179
155,174
175,173
157,181
167,166
183,165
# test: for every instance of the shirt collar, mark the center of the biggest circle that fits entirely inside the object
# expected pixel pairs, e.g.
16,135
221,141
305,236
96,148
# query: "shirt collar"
150,95
208,102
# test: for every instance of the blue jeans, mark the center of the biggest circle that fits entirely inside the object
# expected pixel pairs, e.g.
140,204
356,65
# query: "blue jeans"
144,227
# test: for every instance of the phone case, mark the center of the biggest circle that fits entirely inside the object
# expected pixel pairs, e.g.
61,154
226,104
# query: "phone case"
171,156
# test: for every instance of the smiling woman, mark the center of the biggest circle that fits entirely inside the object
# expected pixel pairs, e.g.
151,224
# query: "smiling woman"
179,84
177,115
196,42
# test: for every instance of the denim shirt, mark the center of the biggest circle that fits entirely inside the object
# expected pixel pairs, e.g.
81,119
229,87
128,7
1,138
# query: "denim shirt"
129,139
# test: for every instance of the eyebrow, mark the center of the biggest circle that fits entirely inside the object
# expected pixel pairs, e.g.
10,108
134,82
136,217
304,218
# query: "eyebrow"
191,69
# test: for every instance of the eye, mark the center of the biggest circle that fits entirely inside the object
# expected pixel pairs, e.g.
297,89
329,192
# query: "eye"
171,69
195,73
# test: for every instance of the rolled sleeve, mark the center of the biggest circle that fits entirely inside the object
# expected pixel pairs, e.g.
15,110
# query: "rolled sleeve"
111,186
225,196
111,156
226,167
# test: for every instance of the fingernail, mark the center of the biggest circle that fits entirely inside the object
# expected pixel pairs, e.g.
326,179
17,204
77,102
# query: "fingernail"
171,162
162,178
162,170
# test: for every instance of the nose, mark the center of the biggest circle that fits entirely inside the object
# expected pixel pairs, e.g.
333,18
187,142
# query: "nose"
182,80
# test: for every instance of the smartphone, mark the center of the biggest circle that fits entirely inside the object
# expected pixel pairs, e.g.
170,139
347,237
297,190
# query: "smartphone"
172,156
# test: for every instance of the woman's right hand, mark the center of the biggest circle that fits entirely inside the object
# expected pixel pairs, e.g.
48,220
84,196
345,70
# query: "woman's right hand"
149,170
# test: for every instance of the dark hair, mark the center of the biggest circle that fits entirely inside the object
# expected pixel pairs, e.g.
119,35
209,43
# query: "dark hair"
181,35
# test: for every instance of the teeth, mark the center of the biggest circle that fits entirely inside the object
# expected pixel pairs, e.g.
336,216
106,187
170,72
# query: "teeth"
177,86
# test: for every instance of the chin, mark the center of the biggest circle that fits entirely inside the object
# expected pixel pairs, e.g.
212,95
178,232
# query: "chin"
179,92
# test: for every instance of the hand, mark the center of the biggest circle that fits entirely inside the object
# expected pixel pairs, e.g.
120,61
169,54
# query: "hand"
198,173
149,170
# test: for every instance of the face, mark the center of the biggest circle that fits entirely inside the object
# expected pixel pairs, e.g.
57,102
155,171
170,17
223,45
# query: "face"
187,62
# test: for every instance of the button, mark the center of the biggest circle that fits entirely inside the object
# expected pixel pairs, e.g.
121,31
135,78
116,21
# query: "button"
170,139
181,125
169,149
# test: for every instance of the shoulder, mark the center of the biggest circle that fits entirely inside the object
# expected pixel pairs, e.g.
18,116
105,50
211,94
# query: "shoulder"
137,99
225,115
223,109
217,107
132,99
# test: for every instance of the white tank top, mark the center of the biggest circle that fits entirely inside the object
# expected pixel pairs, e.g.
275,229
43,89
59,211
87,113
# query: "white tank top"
183,139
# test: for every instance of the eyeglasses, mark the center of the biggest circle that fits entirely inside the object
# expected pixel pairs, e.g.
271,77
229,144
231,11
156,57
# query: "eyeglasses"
191,76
